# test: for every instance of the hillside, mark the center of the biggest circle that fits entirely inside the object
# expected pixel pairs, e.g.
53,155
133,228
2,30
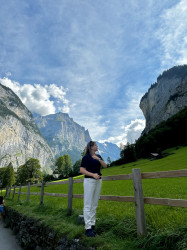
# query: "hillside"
116,226
166,134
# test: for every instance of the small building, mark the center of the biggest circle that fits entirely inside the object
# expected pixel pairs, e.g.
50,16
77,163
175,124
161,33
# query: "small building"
155,156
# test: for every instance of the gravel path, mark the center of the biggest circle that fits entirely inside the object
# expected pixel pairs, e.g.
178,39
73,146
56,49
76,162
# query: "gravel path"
7,239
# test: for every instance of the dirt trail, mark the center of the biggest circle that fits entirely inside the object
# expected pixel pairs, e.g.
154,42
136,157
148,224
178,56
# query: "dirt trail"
7,239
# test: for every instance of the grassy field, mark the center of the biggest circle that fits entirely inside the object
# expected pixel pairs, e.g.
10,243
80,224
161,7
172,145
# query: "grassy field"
116,225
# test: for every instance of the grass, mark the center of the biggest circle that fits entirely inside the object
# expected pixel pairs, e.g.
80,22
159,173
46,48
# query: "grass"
116,225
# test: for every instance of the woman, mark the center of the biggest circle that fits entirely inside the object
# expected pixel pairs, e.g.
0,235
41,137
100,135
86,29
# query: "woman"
2,204
90,167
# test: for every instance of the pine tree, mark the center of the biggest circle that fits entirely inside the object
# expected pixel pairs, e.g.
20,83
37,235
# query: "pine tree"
9,176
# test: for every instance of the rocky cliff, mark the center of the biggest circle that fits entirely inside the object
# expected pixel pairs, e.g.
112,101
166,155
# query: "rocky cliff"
63,134
20,139
166,97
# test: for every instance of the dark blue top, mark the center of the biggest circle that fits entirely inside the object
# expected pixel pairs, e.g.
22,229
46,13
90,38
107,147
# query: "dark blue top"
91,165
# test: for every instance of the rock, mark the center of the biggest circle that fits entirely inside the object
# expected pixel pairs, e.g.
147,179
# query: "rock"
20,138
166,97
63,134
80,219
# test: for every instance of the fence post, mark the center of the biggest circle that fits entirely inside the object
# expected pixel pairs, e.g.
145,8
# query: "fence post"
1,186
42,193
6,191
70,194
139,202
19,192
9,191
28,193
13,192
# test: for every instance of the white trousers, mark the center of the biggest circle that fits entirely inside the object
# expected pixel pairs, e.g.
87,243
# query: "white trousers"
92,189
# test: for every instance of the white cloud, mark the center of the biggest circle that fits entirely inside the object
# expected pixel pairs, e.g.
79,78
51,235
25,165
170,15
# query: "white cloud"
131,133
105,52
173,35
43,100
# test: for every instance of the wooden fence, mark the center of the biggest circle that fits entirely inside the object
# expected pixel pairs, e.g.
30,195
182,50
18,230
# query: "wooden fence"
138,197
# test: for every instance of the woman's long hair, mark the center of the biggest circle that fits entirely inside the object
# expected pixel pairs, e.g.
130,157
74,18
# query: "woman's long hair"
88,147
1,200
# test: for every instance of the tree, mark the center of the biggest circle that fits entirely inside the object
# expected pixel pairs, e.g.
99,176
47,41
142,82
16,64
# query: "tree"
63,166
48,178
9,176
76,167
30,171
2,171
68,166
128,153
108,161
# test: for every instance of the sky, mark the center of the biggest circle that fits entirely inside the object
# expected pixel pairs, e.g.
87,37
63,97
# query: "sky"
91,59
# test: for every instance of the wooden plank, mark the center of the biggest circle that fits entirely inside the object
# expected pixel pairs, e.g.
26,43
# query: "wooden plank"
110,178
9,191
165,202
79,196
57,195
19,192
117,177
78,181
6,191
139,202
56,183
165,174
117,198
70,193
42,194
14,192
28,193
35,193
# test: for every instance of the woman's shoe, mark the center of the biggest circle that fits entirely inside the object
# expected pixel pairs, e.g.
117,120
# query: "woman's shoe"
89,233
93,228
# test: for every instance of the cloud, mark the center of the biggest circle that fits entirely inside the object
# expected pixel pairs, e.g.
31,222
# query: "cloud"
131,133
105,54
43,100
173,35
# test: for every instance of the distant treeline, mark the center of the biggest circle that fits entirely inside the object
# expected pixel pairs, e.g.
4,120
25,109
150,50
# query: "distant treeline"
167,134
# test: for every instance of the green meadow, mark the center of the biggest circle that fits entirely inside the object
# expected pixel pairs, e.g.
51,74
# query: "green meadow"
116,224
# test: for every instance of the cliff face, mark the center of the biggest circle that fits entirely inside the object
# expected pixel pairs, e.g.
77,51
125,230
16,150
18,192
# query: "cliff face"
20,138
166,97
63,134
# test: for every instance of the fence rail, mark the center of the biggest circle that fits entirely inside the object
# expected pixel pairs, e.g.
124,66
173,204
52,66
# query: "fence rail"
138,198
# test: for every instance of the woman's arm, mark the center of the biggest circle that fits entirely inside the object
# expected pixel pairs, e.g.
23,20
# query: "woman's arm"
85,172
103,164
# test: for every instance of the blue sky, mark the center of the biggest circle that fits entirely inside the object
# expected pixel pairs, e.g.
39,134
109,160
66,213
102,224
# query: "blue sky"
91,59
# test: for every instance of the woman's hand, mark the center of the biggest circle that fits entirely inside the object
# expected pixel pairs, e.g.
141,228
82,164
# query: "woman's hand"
96,157
96,176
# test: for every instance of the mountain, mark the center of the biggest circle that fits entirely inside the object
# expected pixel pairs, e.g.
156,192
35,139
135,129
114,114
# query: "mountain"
67,137
166,97
63,134
20,138
108,149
